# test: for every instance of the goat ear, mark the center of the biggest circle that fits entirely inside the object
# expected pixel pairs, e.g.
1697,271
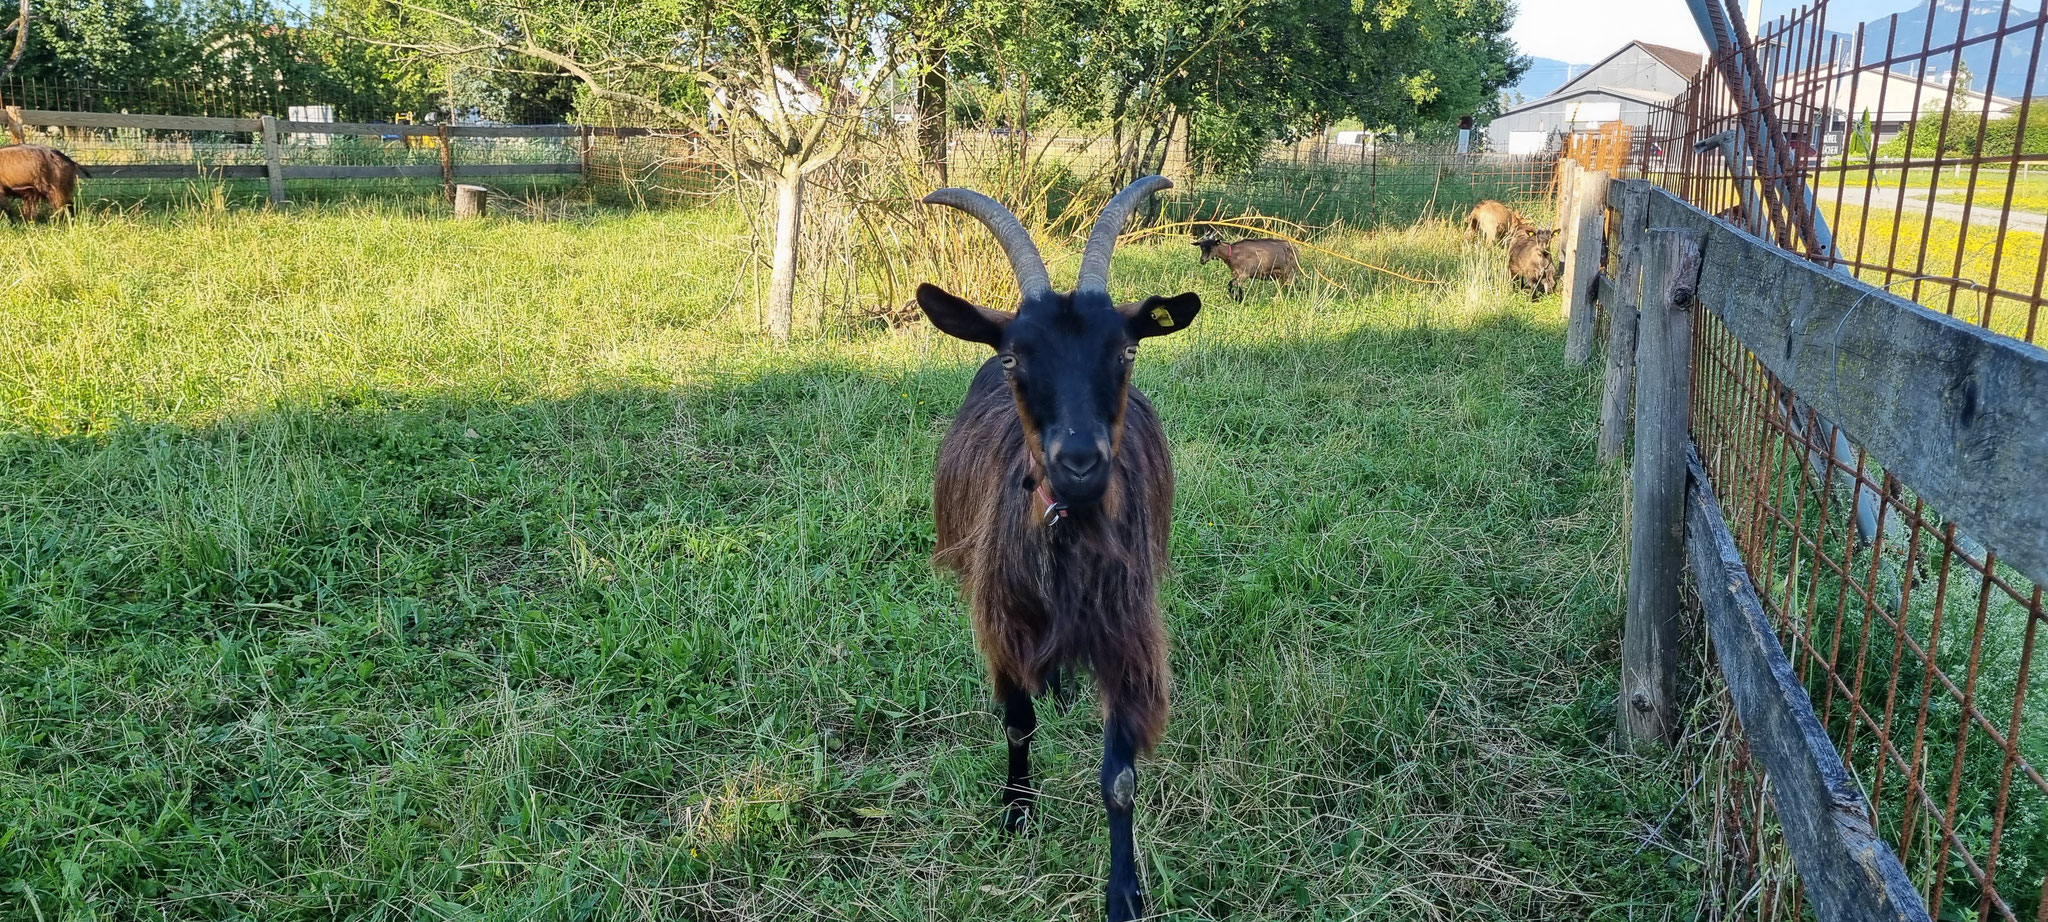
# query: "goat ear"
1157,316
962,319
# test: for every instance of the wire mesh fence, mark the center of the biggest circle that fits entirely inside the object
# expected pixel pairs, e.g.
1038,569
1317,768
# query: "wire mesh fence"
1917,645
1919,136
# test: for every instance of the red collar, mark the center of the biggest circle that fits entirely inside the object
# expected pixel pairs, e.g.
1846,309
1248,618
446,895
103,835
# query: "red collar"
1054,509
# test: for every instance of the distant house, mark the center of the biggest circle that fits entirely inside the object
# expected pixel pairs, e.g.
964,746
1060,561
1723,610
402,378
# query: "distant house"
1835,100
1626,87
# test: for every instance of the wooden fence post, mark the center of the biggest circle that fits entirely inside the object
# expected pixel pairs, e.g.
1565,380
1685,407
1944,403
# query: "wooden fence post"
1649,643
1622,305
273,159
14,125
471,201
1582,273
447,165
583,150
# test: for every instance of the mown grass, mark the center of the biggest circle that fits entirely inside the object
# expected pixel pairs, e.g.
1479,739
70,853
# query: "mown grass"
356,563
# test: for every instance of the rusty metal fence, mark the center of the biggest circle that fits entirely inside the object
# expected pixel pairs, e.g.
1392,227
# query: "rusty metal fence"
1908,152
1918,136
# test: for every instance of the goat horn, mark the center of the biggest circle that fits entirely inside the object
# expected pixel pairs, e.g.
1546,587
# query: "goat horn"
1095,259
1010,233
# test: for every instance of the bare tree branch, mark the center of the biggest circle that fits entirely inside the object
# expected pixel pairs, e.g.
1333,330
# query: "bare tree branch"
20,30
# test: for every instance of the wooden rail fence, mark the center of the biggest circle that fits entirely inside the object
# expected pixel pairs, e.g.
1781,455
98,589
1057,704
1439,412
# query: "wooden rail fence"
1954,412
269,133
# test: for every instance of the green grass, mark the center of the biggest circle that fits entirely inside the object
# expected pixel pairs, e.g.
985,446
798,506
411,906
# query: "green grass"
359,564
1877,237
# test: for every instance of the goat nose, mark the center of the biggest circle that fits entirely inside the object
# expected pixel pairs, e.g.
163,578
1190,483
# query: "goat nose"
1080,461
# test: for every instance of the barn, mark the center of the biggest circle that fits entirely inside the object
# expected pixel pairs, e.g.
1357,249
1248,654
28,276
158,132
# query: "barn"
1627,87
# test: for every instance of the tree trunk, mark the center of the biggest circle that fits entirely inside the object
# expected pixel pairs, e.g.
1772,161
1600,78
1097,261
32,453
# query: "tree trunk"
932,111
789,223
20,41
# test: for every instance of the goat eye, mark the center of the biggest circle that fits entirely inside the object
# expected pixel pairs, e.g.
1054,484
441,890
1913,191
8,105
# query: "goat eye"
1130,353
1009,361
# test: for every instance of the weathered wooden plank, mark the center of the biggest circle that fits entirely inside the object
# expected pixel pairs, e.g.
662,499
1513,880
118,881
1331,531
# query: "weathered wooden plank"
1849,872
372,171
197,171
426,170
273,158
1649,642
363,129
1623,303
1958,413
515,131
61,119
394,130
1581,273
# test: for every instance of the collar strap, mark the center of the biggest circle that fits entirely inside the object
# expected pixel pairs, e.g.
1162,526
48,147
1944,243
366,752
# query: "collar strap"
1054,509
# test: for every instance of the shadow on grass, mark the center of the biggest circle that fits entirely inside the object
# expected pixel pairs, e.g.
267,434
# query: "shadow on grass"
680,650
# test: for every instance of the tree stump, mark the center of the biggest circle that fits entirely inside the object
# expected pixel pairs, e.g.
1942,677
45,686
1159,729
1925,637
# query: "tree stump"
470,201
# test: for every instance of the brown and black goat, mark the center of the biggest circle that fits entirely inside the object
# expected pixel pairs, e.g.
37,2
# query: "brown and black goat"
1530,264
1251,259
1054,501
1490,222
35,174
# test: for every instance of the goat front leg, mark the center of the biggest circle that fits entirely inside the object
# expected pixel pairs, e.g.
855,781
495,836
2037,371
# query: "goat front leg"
1020,722
1119,798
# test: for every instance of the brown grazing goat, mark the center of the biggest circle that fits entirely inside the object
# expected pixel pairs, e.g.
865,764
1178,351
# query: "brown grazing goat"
1490,221
1529,261
1054,501
35,174
1251,259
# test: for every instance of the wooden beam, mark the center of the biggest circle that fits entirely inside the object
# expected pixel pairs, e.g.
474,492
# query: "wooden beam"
426,170
1955,411
1582,270
273,158
1847,871
1649,641
194,171
62,119
1623,302
385,130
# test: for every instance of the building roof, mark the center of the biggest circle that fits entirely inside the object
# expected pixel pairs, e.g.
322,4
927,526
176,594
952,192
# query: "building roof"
1686,64
1651,97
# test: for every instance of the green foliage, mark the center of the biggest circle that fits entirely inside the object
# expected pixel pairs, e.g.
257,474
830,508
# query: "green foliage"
1244,73
218,57
355,563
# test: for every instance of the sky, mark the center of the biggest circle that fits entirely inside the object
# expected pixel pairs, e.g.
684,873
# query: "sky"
1584,31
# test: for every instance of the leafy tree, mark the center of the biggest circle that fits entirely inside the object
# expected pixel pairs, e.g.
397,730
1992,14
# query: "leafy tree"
1239,74
787,80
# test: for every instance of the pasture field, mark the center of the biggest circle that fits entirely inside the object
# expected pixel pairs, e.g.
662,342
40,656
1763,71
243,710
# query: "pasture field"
355,563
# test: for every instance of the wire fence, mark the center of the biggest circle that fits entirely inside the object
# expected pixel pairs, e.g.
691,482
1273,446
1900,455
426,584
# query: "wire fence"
1919,137
1916,644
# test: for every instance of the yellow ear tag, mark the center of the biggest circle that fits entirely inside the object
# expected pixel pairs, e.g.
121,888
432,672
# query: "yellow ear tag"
1162,317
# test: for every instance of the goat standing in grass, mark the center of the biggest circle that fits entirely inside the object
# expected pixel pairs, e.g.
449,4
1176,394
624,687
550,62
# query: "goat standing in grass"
1491,222
1251,259
1054,502
1530,264
37,174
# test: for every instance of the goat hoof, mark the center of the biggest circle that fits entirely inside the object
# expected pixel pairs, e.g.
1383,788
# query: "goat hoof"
1124,907
1016,816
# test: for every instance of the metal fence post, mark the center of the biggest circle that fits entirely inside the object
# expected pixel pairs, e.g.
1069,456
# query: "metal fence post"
1582,273
273,159
1649,643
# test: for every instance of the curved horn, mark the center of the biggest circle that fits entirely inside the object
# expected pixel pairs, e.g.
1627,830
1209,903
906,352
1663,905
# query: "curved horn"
1095,259
1010,233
